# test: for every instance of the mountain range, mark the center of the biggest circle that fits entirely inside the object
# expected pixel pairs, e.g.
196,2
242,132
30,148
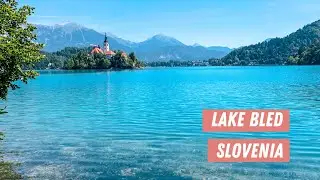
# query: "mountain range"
156,48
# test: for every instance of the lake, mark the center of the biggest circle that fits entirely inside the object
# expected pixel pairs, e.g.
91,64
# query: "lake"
147,123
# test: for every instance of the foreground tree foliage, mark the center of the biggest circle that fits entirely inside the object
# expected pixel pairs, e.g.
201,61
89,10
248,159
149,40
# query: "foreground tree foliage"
17,47
7,171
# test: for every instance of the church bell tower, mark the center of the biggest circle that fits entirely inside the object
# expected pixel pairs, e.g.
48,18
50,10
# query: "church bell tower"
106,43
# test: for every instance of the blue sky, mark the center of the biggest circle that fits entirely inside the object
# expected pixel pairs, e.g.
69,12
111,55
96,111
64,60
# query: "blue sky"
230,23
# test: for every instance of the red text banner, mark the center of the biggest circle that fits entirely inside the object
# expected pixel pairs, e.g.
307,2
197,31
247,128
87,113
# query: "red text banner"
248,150
245,120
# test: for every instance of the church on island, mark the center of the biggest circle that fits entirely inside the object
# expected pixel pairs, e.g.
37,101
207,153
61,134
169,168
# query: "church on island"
106,49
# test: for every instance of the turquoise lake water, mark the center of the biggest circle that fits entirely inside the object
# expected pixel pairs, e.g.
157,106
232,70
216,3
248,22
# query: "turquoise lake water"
147,123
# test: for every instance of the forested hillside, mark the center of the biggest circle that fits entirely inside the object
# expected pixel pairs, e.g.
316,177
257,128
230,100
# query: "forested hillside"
278,51
307,56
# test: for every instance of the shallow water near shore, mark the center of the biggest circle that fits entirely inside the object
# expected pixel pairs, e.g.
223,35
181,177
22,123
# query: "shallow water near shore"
147,123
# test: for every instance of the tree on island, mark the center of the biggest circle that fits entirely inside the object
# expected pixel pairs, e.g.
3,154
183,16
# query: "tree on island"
119,61
80,58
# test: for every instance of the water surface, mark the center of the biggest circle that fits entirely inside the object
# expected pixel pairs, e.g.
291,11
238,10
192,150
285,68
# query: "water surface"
147,123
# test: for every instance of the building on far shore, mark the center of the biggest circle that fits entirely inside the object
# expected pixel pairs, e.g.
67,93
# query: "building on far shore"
106,49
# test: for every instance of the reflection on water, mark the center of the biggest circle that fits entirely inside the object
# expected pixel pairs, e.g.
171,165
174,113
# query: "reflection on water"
147,123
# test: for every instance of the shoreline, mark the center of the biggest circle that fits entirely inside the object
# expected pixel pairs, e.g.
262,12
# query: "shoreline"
147,67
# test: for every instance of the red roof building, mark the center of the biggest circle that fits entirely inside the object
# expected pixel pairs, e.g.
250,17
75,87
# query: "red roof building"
106,50
109,53
96,50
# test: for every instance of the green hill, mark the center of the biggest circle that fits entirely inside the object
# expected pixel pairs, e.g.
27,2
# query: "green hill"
277,51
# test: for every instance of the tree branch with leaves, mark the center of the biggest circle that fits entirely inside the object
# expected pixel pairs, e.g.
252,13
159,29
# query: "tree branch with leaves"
18,49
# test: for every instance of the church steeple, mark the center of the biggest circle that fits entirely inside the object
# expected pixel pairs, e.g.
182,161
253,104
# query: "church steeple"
106,43
105,38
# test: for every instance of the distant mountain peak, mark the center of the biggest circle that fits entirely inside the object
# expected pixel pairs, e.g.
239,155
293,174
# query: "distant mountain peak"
196,45
69,24
66,27
161,39
220,48
160,35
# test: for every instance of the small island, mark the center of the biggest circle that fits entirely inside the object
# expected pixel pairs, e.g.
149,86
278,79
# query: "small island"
95,57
